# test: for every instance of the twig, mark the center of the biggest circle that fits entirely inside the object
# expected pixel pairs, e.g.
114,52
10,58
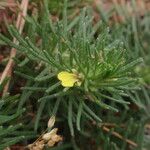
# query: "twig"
19,25
120,136
112,125
105,126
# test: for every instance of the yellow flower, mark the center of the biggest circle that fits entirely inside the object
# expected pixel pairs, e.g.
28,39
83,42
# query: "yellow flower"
69,79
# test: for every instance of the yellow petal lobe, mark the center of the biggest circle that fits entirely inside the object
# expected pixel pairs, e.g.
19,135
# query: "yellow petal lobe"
67,79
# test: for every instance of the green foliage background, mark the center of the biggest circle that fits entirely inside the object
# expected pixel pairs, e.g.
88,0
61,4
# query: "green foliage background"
115,86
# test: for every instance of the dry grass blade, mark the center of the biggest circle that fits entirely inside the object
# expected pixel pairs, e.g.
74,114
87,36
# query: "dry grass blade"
4,4
20,25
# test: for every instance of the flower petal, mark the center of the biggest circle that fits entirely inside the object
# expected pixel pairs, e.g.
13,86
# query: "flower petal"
68,83
64,75
68,79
